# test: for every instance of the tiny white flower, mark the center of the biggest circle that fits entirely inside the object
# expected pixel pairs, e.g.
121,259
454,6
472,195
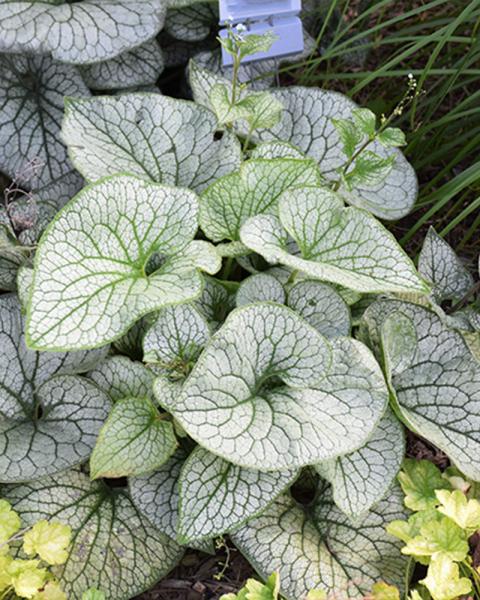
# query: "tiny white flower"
241,28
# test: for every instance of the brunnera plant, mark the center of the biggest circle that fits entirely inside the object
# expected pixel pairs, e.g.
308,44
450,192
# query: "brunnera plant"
219,317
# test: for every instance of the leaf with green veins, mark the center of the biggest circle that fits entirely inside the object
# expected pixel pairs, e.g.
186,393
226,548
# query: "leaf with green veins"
438,393
321,306
419,480
176,338
365,120
443,580
139,66
121,377
439,538
347,246
215,302
31,151
399,342
113,546
49,416
260,287
439,264
221,103
156,496
455,505
261,110
191,23
98,281
254,189
265,379
306,123
392,137
350,135
154,137
277,149
218,497
370,170
134,440
326,550
88,31
362,478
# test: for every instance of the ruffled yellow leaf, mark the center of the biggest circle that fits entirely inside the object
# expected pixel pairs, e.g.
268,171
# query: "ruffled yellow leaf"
9,521
49,541
26,577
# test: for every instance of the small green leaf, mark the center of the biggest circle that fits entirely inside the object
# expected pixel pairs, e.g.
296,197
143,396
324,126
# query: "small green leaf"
349,133
392,137
439,538
253,43
443,580
419,480
369,170
365,120
455,505
134,440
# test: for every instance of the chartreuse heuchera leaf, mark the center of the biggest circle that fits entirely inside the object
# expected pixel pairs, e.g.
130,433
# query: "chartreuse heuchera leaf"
152,136
464,512
253,190
49,540
420,479
50,417
31,109
210,493
306,123
362,478
120,249
347,246
437,389
113,546
325,549
88,31
270,392
443,580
